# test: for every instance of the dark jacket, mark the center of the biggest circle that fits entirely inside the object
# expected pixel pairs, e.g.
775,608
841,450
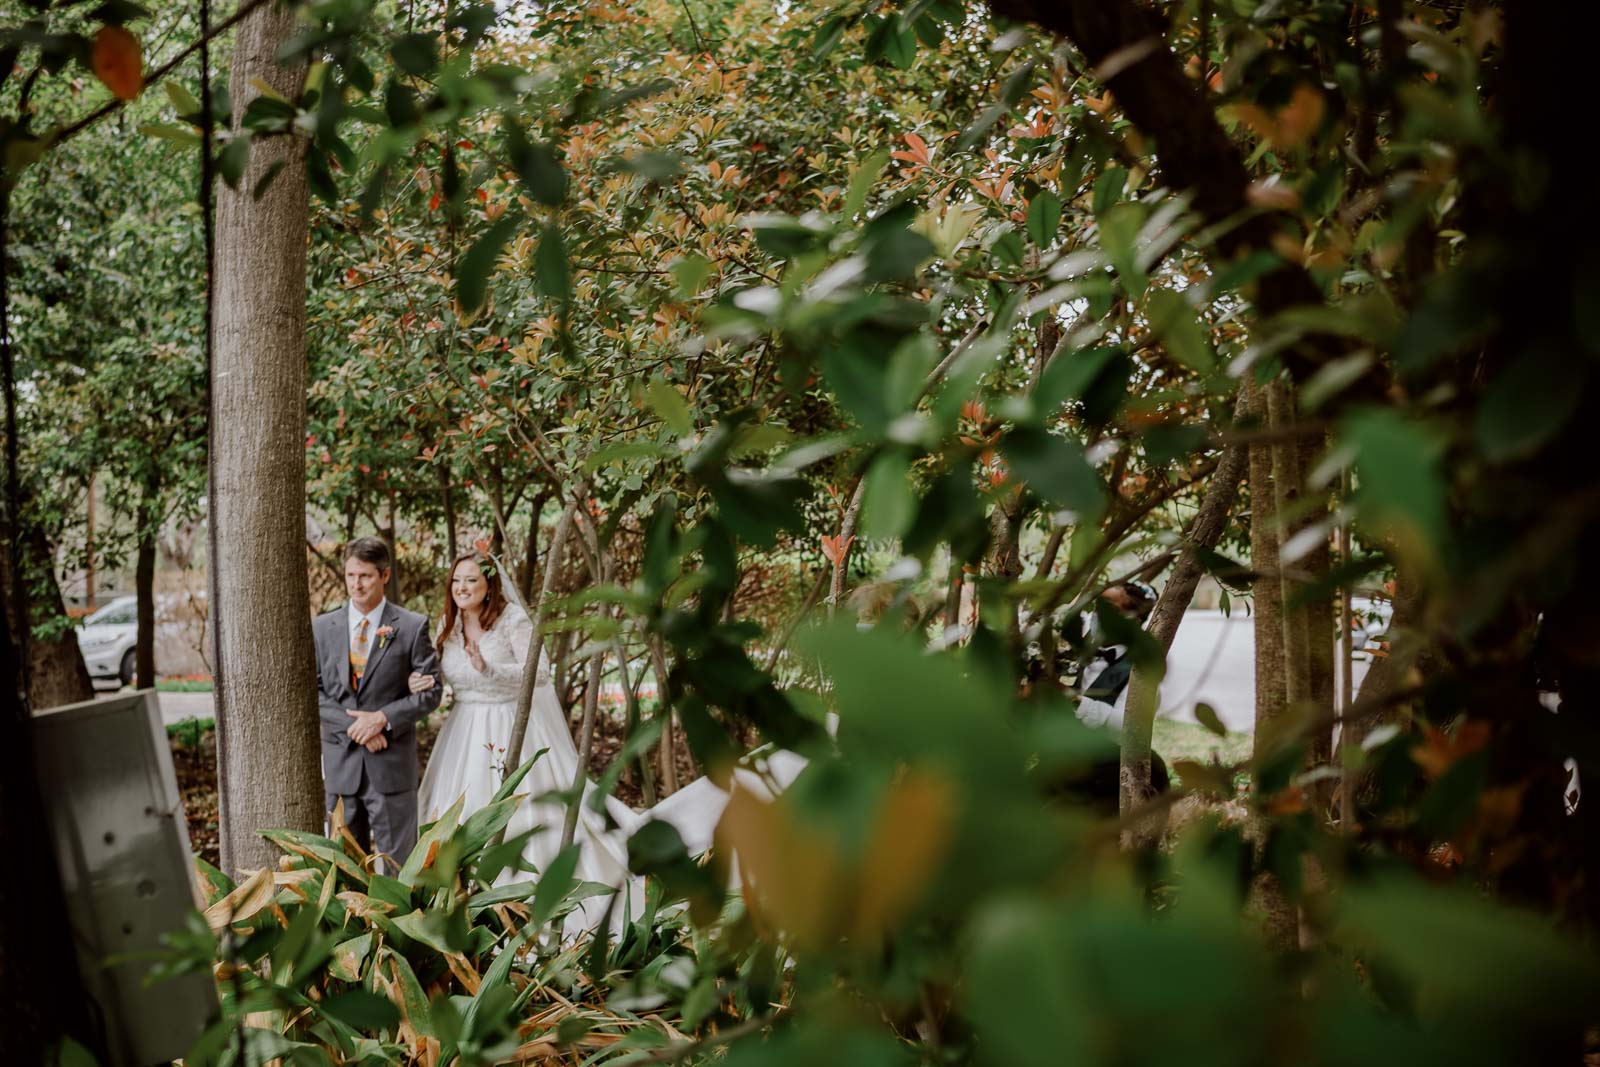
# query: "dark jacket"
383,688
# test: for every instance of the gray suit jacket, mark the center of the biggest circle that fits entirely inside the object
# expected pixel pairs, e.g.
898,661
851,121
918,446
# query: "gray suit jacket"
383,688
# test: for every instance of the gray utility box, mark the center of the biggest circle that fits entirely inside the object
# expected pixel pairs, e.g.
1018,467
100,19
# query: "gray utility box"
117,824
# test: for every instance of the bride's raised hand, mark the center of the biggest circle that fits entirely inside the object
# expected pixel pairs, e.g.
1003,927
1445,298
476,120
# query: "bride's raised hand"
419,682
474,653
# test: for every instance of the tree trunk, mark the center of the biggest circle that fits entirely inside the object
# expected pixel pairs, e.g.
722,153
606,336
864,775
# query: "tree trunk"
447,497
144,584
268,755
1144,689
1266,591
591,710
1286,483
56,674
1319,628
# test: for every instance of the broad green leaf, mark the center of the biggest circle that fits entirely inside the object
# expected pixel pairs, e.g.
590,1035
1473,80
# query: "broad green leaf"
1044,218
415,53
475,266
349,957
668,403
890,500
551,266
861,183
1173,320
554,883
1056,469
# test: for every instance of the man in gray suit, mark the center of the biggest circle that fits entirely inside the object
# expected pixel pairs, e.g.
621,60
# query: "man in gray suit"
366,651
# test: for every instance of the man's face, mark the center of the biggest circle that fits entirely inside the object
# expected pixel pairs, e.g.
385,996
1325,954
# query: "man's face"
364,582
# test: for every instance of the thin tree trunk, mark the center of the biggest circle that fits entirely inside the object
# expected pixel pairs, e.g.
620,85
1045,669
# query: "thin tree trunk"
1144,688
591,709
667,754
144,582
447,497
390,533
530,665
1286,483
1318,621
268,756
1266,592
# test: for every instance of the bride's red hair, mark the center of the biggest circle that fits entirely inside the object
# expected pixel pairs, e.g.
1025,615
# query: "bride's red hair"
494,596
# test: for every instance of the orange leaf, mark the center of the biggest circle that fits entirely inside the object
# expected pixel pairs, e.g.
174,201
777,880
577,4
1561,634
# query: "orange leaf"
116,60
482,545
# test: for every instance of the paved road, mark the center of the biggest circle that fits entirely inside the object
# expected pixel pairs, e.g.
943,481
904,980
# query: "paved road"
1212,661
175,707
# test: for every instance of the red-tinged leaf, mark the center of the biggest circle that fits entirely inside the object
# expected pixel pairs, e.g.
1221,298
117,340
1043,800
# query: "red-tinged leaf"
117,61
434,201
482,545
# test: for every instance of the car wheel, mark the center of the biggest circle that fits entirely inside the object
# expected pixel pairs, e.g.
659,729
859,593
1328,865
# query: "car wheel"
125,674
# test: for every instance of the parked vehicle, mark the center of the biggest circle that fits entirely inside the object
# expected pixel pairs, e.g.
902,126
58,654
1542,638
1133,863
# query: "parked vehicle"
107,637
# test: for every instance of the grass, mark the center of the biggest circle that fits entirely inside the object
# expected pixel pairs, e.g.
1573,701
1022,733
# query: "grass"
183,685
1190,741
188,732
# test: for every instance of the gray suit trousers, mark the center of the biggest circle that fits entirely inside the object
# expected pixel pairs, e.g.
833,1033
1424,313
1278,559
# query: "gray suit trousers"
387,820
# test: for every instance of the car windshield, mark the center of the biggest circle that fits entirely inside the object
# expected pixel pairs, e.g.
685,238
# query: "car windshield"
112,615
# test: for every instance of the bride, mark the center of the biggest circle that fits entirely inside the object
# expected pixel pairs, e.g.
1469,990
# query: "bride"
483,646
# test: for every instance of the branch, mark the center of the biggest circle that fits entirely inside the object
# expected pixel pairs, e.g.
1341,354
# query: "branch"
1125,44
111,106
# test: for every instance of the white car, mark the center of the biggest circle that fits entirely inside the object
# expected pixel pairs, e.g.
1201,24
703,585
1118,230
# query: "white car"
107,637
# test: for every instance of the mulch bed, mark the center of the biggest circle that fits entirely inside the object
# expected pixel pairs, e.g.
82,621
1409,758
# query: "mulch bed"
194,758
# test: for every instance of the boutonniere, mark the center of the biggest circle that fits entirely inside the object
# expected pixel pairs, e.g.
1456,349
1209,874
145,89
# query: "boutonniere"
384,633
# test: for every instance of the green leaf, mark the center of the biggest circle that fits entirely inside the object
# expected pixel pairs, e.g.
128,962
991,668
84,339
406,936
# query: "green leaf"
1173,320
1400,491
182,99
1528,403
1056,469
1206,716
443,931
475,266
233,159
416,53
890,502
554,883
861,183
349,956
181,134
536,165
1108,190
828,36
551,267
361,1010
1044,218
671,406
1119,239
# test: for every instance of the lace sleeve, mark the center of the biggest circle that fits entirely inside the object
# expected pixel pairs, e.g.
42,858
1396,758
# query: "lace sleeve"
516,632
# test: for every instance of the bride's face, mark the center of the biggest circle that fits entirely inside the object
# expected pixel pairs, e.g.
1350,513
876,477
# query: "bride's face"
467,587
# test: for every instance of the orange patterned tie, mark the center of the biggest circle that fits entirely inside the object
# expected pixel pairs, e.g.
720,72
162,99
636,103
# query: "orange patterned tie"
358,656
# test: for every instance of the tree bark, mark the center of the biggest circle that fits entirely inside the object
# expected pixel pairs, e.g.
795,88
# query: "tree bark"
1144,690
591,710
447,497
268,754
1319,615
1266,591
1286,484
56,674
144,585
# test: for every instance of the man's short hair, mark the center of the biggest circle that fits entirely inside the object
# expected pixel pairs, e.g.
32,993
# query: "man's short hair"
371,550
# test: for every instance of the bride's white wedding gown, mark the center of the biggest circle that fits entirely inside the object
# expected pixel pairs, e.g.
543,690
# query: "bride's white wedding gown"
469,760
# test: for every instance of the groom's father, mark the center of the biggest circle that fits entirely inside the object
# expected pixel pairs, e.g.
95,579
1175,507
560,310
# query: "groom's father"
365,652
